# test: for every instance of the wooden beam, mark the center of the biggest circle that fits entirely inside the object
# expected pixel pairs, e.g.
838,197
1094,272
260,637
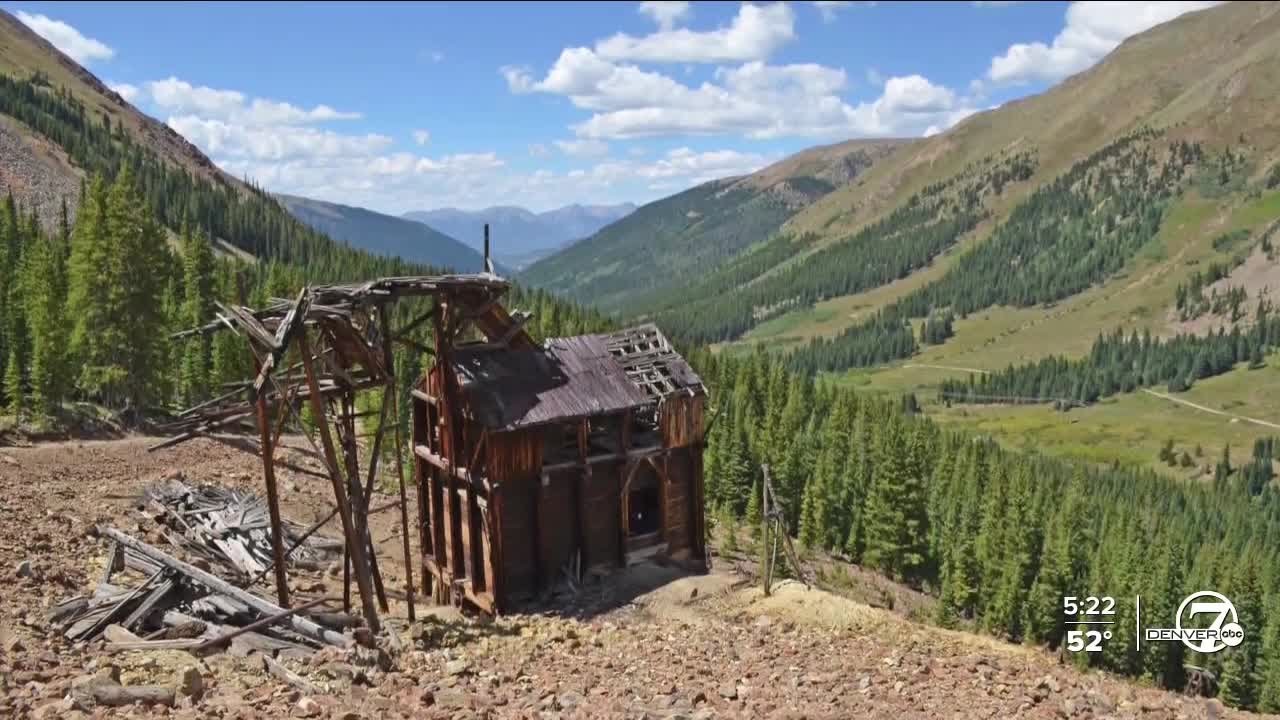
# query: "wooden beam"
273,500
216,584
389,360
624,499
579,498
340,495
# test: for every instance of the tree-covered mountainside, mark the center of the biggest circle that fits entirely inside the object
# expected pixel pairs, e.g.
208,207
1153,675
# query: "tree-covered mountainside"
1000,537
780,275
1071,233
87,302
385,235
677,240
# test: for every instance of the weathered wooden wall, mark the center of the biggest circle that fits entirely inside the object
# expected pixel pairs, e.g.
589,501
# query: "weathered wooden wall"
680,419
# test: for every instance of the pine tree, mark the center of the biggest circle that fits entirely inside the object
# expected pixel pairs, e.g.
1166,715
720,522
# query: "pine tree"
1240,668
1269,694
197,306
44,290
753,510
896,525
93,302
1164,591
13,386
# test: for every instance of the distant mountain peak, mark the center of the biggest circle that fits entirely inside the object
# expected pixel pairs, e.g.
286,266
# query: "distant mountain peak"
519,235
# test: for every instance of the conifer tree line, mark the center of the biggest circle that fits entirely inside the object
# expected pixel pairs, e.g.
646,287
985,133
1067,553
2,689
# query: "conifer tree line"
999,537
87,306
1070,233
1119,364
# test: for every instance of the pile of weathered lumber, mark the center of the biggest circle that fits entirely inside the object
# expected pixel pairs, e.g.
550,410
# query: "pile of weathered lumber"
180,606
231,528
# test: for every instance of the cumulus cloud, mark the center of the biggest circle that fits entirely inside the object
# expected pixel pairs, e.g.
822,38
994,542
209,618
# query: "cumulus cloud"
398,182
69,40
754,34
179,96
754,99
222,138
421,137
1092,29
125,90
666,13
583,148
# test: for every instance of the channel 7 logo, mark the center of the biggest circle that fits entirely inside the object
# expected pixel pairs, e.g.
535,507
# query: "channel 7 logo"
1218,635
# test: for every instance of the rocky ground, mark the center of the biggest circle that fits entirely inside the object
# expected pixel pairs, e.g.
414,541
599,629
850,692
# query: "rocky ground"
652,645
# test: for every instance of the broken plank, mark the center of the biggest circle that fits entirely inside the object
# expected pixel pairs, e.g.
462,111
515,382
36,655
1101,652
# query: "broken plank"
300,625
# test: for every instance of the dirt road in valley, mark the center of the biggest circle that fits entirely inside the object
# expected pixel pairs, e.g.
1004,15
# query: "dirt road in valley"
1202,408
655,645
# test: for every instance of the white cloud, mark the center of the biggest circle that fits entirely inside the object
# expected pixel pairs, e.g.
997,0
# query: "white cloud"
755,33
69,40
421,137
179,96
874,77
753,99
539,150
437,56
1092,30
914,94
583,148
666,13
225,139
125,90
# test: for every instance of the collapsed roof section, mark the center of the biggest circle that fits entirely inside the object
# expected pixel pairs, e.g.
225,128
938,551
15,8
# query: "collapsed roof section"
573,377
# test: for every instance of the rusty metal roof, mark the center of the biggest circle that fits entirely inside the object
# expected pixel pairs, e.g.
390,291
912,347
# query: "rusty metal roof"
570,378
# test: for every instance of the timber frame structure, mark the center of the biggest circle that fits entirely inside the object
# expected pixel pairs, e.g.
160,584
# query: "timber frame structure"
530,460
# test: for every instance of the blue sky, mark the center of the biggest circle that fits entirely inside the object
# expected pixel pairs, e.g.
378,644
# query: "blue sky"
409,106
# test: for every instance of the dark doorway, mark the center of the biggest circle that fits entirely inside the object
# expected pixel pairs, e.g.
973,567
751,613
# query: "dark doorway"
644,505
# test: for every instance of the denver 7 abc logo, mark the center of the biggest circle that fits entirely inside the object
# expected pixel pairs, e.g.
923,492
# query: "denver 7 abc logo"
1220,632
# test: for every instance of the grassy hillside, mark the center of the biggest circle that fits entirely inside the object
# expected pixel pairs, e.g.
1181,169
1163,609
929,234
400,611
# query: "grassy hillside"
383,234
670,242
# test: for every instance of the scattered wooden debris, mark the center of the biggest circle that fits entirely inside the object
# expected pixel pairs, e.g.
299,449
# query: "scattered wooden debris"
182,607
231,528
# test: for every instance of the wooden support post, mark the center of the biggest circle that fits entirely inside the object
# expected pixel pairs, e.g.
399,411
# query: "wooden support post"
361,565
273,501
359,499
466,526
580,499
624,481
389,360
535,526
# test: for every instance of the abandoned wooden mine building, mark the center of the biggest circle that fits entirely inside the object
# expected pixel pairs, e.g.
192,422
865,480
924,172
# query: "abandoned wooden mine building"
533,460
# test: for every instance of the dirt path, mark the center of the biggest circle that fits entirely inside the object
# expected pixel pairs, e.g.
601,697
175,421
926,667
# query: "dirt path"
948,367
1190,404
704,647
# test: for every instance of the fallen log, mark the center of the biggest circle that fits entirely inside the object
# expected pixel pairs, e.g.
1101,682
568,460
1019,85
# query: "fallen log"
300,625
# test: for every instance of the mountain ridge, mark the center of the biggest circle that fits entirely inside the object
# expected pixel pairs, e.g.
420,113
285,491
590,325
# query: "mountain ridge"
683,235
520,235
383,234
